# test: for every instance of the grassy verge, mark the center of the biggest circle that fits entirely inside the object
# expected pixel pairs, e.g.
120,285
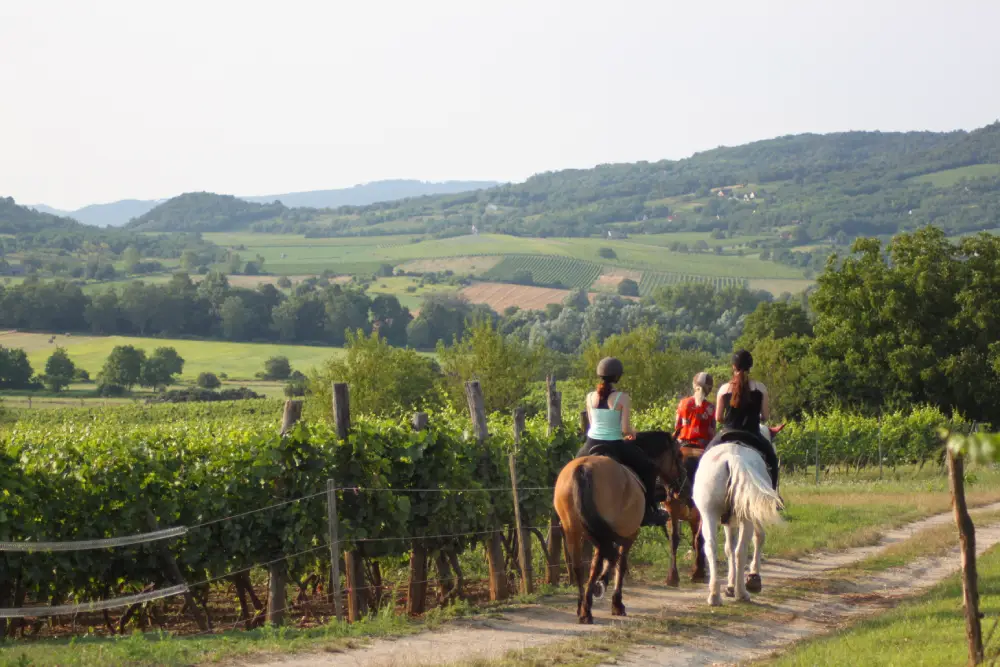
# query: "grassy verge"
927,630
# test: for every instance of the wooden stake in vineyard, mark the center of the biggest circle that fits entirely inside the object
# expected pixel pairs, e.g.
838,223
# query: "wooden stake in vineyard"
417,592
494,545
357,597
523,536
967,541
555,536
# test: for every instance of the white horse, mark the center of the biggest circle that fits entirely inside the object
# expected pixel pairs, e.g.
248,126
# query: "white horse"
733,482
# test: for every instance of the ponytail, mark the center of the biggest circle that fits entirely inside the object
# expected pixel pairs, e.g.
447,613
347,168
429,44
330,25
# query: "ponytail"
739,385
604,389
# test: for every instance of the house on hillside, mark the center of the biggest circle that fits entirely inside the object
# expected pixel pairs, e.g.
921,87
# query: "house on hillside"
617,234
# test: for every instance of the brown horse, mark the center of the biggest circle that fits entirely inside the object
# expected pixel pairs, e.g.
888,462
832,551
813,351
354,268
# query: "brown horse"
599,499
681,510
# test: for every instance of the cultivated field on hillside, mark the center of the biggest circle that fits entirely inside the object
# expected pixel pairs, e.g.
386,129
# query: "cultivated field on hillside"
499,296
238,360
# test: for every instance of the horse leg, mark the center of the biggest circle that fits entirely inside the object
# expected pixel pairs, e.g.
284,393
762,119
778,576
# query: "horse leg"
745,530
709,531
674,579
698,542
754,584
596,569
617,608
730,561
573,537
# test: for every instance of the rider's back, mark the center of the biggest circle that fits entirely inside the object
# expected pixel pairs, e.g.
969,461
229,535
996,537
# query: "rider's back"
746,416
606,421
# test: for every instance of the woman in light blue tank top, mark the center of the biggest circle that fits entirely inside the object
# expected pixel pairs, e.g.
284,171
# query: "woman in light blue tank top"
611,433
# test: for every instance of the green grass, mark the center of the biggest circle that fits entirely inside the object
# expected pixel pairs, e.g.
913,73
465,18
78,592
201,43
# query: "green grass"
928,630
238,360
398,286
951,177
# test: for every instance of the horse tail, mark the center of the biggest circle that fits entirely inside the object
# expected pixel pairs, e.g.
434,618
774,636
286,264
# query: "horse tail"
599,531
751,496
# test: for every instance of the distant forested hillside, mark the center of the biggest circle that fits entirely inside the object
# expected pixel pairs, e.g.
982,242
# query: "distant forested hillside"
370,193
816,187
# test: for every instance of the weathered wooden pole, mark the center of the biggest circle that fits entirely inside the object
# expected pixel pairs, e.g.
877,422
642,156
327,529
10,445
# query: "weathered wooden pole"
555,536
417,589
494,544
967,539
354,574
523,536
277,587
334,538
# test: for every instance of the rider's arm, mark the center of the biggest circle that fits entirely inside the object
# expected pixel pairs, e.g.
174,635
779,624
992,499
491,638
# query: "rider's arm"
626,404
765,403
711,426
718,402
586,401
677,422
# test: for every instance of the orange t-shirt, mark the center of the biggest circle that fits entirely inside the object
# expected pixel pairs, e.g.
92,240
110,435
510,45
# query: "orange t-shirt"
695,422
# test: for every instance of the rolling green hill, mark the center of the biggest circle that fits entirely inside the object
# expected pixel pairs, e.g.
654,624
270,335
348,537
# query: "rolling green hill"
813,187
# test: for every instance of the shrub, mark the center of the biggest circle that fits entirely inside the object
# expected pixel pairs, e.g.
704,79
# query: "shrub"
277,368
628,287
607,253
208,380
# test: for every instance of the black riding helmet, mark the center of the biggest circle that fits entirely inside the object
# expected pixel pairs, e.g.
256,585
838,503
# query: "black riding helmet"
742,360
609,367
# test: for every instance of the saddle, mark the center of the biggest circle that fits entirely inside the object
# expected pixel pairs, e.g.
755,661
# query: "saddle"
612,453
749,439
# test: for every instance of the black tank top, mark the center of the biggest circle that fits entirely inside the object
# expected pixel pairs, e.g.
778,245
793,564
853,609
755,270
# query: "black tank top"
747,415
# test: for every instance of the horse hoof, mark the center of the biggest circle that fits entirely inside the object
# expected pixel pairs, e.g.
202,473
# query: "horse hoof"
698,578
754,584
730,593
587,620
618,611
715,600
744,596
599,589
673,580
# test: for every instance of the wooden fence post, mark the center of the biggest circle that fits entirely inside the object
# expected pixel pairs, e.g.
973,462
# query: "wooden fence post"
523,536
357,598
417,590
967,539
584,424
494,545
555,536
334,537
817,461
277,587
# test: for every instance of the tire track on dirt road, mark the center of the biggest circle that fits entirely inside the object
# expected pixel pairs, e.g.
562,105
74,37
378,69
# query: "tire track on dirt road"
554,619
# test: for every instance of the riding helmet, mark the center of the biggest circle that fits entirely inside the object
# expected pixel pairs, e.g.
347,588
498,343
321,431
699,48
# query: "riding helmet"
704,380
742,360
609,367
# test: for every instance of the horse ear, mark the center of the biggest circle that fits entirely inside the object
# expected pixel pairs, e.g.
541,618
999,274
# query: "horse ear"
775,430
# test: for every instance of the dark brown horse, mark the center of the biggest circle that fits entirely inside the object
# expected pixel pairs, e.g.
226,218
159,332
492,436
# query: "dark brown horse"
680,509
601,500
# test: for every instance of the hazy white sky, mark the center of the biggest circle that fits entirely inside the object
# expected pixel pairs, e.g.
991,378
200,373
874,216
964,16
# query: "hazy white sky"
103,100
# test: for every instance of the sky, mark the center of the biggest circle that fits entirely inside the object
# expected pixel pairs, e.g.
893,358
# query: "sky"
106,99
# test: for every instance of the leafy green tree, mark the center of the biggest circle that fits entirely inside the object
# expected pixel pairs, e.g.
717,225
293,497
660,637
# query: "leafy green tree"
59,370
390,319
915,322
161,368
607,253
189,260
628,287
15,370
284,282
577,300
277,368
235,264
504,366
384,380
208,380
235,318
653,372
102,313
123,367
131,258
774,320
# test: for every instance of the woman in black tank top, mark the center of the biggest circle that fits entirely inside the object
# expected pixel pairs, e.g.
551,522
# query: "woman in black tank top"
742,405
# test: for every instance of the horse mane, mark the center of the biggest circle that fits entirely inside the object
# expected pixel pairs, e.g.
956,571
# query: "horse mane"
654,444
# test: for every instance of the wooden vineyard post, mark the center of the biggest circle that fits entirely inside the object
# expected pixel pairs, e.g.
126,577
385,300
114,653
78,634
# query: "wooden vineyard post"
417,590
494,545
354,572
523,536
967,539
817,461
584,424
277,586
555,536
334,529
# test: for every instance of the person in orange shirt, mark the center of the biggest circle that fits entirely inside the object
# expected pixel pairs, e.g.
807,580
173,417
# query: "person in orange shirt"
695,425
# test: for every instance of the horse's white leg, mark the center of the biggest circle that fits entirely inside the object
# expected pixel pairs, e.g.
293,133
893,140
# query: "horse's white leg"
753,577
730,536
710,531
746,528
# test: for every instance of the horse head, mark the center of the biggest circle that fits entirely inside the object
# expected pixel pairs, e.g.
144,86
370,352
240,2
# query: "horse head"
665,452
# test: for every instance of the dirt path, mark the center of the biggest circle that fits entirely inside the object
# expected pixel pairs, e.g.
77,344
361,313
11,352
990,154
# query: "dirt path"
555,619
